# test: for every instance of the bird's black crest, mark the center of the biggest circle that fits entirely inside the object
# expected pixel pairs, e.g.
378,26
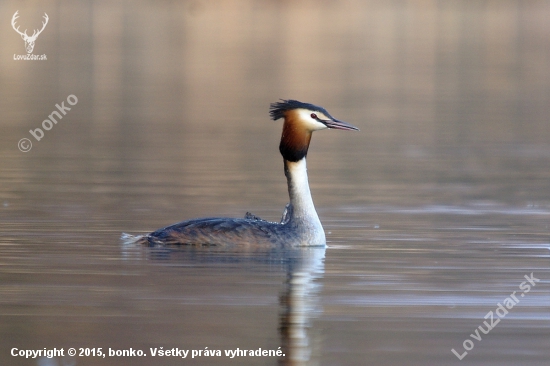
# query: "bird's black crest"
277,110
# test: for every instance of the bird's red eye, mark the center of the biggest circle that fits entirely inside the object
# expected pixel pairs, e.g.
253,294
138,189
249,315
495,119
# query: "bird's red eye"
314,116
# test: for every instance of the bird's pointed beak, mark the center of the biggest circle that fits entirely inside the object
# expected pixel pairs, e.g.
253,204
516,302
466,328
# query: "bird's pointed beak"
340,125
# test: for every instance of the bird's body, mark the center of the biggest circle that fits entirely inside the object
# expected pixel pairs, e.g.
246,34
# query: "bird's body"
250,231
300,224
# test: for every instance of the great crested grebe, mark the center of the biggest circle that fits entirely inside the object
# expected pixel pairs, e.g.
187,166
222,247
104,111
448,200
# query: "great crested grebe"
299,226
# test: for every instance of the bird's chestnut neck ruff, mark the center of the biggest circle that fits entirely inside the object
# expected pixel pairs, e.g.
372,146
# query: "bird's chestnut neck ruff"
295,139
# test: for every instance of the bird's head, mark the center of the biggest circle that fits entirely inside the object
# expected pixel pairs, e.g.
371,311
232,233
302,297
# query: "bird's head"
300,120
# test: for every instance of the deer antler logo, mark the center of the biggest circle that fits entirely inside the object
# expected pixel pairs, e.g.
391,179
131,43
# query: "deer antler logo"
29,41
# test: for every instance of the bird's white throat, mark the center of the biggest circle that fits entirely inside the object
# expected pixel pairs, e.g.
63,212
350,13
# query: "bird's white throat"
304,211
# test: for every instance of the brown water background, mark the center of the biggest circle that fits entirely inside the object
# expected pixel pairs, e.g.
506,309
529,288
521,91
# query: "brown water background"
434,212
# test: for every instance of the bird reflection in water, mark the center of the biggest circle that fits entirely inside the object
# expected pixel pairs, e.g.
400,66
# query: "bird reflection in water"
299,296
299,306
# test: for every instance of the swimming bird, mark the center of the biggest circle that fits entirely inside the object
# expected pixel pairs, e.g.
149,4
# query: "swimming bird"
300,224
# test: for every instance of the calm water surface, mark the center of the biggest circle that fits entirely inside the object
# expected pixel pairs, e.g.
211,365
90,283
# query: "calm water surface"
434,212
400,283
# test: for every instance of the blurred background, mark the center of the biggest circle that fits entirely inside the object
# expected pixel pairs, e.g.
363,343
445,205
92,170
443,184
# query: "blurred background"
452,99
465,80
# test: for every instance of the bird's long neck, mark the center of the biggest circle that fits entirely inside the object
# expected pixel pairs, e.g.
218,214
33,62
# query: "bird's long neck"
294,146
304,214
298,188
